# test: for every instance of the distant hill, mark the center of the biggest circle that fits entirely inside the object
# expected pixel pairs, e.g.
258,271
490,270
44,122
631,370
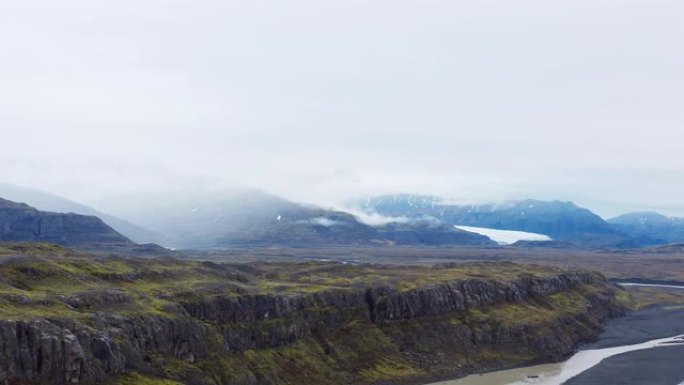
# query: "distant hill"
50,202
650,228
23,223
434,233
562,221
673,248
245,217
542,245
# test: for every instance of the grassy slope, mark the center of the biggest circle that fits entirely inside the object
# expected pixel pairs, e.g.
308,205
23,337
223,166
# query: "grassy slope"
34,276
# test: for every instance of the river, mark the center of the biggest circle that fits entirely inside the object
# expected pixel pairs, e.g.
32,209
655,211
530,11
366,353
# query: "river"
645,347
631,284
555,374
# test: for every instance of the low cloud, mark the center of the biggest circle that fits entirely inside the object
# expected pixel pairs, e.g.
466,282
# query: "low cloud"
374,219
323,102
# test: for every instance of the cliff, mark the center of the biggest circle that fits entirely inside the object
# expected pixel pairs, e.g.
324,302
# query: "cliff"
71,318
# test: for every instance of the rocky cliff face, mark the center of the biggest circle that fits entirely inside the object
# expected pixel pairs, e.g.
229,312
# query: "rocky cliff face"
389,305
20,222
377,333
69,317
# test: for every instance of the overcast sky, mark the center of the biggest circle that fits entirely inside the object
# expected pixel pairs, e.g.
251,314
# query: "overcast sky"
321,101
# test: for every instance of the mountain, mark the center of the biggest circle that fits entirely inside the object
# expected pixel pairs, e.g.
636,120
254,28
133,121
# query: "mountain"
23,223
650,228
49,202
238,218
296,226
245,217
430,232
562,221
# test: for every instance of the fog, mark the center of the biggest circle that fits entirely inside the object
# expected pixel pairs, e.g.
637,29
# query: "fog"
324,101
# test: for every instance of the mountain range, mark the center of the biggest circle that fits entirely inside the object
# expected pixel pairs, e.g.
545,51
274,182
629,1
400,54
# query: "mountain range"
565,222
247,217
244,218
562,221
253,218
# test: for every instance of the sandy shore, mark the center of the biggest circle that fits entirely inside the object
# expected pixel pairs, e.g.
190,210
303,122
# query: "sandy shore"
662,365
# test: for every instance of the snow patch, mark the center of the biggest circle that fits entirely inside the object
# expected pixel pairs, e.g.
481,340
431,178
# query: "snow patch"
506,237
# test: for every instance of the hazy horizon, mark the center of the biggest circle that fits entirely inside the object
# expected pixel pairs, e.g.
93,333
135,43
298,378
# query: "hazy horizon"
325,102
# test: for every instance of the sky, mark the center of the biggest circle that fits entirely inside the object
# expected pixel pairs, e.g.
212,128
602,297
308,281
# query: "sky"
324,101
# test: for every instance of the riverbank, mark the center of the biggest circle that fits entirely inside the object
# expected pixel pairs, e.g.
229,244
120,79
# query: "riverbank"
657,366
641,326
661,366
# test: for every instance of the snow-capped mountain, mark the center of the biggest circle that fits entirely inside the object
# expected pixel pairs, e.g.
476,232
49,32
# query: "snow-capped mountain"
562,221
650,228
248,217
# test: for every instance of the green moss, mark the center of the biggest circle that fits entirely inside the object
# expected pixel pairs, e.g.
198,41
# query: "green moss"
302,361
40,310
387,369
643,297
624,298
60,271
139,379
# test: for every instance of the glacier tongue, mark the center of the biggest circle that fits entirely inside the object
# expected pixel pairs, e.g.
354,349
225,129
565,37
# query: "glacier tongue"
506,237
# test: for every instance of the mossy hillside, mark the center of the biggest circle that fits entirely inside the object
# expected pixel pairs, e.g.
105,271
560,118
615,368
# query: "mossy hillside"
362,352
357,353
323,345
638,298
36,277
405,278
139,379
500,336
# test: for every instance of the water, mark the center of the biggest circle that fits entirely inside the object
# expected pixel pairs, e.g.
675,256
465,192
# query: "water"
651,285
623,335
556,374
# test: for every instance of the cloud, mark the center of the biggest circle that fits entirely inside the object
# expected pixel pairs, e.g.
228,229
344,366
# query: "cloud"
322,102
322,221
373,219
